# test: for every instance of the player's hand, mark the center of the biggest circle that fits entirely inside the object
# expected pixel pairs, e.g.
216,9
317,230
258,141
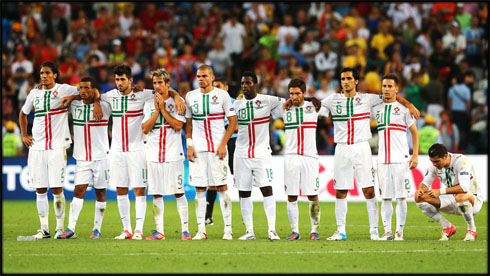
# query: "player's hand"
38,86
66,101
434,193
156,102
287,104
239,97
191,154
98,113
414,161
221,151
28,140
96,94
179,105
160,101
414,112
137,88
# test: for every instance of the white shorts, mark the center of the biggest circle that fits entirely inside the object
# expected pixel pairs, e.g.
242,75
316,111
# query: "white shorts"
353,160
394,180
47,168
166,178
94,173
208,170
301,172
128,169
252,172
450,206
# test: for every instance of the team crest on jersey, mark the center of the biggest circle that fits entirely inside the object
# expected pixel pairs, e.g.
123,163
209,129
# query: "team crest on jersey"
55,94
258,103
308,109
132,96
396,109
215,100
171,107
358,100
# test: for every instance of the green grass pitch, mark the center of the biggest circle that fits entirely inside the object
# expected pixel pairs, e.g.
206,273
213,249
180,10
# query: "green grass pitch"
421,252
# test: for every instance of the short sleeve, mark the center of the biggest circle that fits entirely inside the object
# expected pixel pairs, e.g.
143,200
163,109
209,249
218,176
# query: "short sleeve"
375,99
429,176
28,105
228,106
146,111
188,107
276,106
323,111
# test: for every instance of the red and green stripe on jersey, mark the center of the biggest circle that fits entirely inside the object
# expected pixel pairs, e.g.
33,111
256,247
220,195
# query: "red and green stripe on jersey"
162,125
300,127
82,118
47,112
246,118
350,118
123,112
206,117
385,125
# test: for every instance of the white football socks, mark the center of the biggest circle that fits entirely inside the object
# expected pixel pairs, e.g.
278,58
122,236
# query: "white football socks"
293,214
183,209
270,211
140,205
99,214
43,210
466,210
158,211
387,213
341,213
247,208
401,214
59,210
315,213
124,205
200,202
75,208
433,213
372,209
225,204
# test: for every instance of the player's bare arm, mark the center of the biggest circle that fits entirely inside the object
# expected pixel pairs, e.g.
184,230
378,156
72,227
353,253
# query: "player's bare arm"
421,190
316,102
179,103
176,124
148,125
229,131
435,193
27,139
191,154
98,113
415,142
413,110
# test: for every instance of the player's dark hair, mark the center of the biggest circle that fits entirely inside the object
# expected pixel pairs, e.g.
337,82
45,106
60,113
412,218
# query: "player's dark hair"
437,150
299,83
220,79
123,70
250,74
89,79
355,72
53,67
391,76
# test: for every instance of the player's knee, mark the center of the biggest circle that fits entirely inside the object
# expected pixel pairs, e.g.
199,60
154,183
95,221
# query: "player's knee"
292,198
266,191
313,198
369,192
244,194
463,206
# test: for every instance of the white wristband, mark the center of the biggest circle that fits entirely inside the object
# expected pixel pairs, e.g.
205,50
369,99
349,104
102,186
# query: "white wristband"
442,191
189,142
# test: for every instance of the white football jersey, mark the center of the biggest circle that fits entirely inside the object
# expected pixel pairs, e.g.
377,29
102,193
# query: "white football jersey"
350,116
50,128
301,123
127,115
460,172
208,112
164,144
91,140
253,117
393,120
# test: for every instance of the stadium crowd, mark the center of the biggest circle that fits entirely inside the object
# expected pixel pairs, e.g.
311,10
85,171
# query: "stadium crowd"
439,51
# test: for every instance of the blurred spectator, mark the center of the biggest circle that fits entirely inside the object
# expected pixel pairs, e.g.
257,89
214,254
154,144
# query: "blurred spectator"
325,20
443,11
221,59
462,17
281,83
413,66
353,59
373,81
177,71
382,39
117,55
266,60
131,40
424,39
412,90
151,14
440,57
326,60
478,141
428,134
285,51
394,65
11,142
56,23
278,137
459,102
94,50
126,18
409,33
43,51
373,19
201,31
324,137
433,94
287,28
455,42
401,12
328,86
188,61
310,47
181,38
397,45
68,69
449,131
81,47
474,42
233,34
268,40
